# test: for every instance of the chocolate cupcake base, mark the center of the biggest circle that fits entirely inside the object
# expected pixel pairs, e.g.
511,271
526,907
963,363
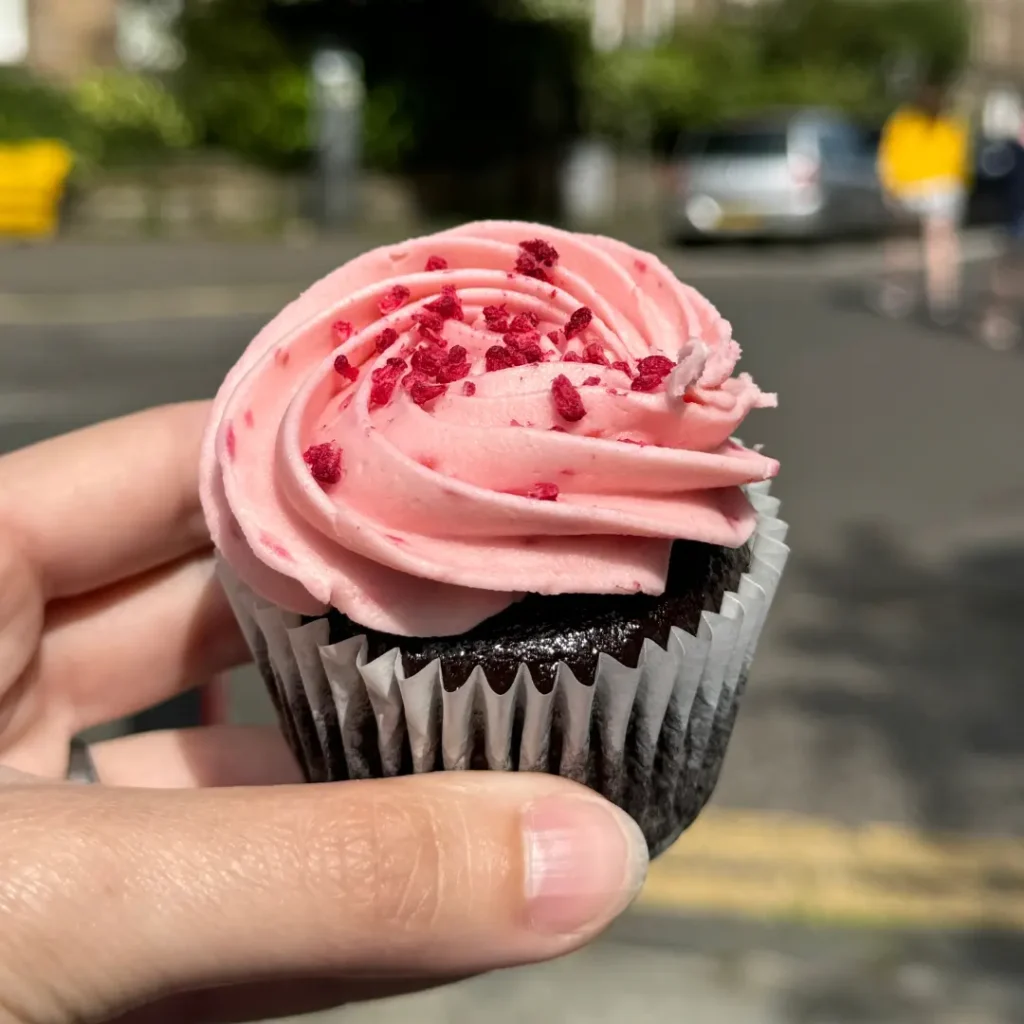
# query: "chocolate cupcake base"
648,731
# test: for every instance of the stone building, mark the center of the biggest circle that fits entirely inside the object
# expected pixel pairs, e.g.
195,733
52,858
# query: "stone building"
64,39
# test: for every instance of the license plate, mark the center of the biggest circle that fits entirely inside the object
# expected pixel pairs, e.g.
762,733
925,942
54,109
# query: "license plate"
738,221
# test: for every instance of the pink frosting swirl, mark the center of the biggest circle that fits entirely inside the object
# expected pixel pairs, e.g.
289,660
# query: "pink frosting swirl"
441,426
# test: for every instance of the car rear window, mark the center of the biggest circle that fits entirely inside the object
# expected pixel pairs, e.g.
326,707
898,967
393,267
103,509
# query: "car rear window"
745,143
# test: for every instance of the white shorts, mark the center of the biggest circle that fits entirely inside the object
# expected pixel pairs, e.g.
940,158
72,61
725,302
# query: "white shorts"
936,202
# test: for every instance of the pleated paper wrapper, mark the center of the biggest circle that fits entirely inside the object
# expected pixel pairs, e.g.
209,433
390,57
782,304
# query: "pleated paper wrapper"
651,738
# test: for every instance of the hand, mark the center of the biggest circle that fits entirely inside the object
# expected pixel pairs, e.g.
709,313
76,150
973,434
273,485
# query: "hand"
170,887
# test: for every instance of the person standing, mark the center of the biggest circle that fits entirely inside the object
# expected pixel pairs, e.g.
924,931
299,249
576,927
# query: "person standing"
1000,326
923,164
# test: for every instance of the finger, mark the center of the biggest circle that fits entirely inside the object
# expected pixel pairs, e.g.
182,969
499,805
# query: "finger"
446,873
109,501
223,755
120,650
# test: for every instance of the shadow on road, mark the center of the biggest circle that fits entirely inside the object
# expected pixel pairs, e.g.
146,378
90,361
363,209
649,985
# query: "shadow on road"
948,645
944,644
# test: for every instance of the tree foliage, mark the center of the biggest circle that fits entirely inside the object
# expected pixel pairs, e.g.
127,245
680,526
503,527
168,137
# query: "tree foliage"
786,52
472,84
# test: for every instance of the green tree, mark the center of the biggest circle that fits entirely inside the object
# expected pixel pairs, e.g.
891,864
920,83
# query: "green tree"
784,53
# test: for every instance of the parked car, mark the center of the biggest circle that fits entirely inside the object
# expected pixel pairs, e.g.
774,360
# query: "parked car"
800,174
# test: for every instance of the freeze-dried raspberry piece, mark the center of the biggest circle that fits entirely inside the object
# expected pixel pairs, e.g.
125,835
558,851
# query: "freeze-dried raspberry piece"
543,492
395,299
324,461
578,322
567,399
344,368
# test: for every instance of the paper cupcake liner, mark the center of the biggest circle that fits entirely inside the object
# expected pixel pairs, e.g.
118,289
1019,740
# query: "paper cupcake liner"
651,738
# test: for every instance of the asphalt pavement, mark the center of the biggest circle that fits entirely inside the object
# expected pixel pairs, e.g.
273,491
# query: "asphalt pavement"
886,694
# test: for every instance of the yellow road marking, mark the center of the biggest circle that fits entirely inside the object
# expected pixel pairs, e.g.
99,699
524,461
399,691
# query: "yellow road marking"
780,866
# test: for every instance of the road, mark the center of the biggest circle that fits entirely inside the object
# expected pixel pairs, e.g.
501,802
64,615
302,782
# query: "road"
887,689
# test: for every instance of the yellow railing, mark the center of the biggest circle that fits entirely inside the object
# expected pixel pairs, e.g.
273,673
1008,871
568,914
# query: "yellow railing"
32,180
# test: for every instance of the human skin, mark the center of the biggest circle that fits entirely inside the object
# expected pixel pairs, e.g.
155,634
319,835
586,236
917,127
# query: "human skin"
199,880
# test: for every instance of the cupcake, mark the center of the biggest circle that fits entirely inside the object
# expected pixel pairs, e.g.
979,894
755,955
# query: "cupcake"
478,504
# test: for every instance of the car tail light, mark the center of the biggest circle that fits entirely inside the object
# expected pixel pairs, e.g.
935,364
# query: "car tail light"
803,169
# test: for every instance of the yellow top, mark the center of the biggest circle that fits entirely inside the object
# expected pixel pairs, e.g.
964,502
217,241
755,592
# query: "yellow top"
918,150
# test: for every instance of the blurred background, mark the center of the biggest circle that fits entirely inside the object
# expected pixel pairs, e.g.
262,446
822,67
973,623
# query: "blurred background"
173,171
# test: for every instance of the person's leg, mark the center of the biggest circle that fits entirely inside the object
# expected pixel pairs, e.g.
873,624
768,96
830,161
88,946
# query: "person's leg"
942,263
899,256
1000,325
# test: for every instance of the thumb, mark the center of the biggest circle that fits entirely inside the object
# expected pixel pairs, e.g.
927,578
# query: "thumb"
139,894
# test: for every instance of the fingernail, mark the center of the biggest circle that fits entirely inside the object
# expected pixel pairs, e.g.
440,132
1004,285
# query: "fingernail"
585,862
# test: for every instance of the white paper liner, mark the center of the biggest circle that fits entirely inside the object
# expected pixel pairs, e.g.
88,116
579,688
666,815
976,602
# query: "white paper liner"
650,738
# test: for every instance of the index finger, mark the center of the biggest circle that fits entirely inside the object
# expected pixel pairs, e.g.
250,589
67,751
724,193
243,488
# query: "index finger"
110,501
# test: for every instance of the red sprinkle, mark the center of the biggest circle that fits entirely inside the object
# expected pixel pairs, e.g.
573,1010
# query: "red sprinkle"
342,330
622,365
469,389
578,322
543,492
391,370
324,461
448,305
544,253
395,299
496,318
384,380
411,378
437,263
429,322
646,382
343,367
641,266
660,365
249,421
498,357
591,381
381,392
275,545
572,357
428,360
567,399
593,353
386,339
651,371
230,441
421,392
525,348
529,267
452,372
457,354
524,322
